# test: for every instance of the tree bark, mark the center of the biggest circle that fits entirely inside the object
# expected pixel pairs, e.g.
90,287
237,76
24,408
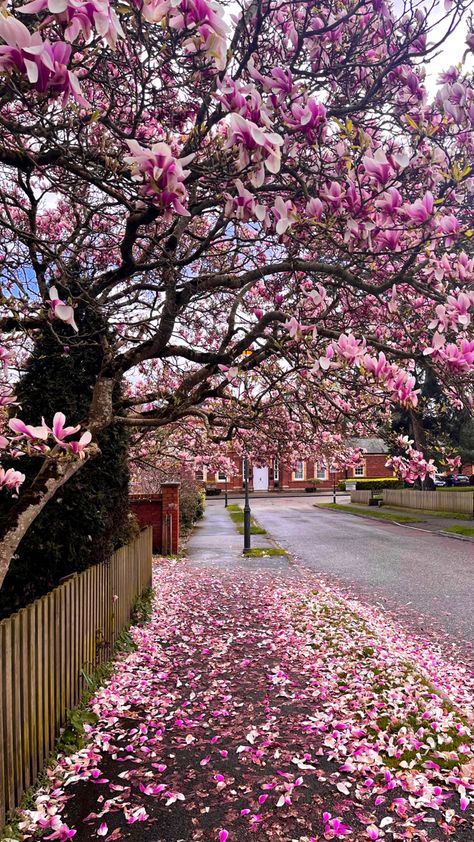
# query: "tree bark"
419,436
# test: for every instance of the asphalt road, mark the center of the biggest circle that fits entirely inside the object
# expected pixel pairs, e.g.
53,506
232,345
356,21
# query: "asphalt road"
425,580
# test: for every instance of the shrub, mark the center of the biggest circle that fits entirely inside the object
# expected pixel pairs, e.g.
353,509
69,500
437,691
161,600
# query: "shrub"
367,484
191,503
212,491
82,524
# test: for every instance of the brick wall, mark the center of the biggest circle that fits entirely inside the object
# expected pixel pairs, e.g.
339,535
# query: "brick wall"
374,467
161,511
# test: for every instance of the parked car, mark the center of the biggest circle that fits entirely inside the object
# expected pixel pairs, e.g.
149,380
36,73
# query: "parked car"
439,480
461,479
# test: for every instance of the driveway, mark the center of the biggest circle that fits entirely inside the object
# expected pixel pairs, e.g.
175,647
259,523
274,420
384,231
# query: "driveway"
426,580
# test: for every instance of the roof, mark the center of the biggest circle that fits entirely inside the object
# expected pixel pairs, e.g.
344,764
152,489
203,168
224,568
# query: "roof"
369,445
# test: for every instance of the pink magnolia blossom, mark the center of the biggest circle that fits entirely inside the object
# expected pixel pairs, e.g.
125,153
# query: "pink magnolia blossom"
293,327
62,834
308,117
11,479
61,310
5,358
242,206
458,358
6,397
59,431
314,208
285,215
421,210
390,201
80,18
378,167
203,20
44,64
333,195
453,463
256,147
162,175
349,348
78,447
27,430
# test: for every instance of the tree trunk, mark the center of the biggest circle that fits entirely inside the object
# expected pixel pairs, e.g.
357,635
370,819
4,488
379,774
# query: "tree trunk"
419,437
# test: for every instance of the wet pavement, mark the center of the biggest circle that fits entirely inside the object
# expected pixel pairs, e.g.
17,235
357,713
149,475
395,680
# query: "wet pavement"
216,543
424,580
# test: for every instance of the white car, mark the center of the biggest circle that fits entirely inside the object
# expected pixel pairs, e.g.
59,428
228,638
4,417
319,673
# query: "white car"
439,480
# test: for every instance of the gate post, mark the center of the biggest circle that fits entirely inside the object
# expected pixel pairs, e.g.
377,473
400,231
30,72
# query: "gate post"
170,517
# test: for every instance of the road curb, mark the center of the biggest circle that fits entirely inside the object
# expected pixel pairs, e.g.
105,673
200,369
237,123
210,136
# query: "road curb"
440,532
458,537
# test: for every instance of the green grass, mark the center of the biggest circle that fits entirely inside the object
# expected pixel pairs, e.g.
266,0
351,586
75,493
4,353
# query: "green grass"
254,530
376,515
258,552
237,516
468,531
435,513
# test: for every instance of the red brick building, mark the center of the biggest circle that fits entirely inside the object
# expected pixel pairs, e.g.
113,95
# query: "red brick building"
278,476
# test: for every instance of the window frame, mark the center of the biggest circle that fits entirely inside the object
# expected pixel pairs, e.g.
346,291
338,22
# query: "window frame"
318,471
303,468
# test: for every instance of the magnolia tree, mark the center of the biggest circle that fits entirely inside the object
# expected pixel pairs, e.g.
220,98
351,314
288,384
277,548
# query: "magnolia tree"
265,191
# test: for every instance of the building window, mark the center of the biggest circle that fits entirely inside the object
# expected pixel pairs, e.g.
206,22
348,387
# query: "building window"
299,470
221,476
200,475
276,470
321,472
359,470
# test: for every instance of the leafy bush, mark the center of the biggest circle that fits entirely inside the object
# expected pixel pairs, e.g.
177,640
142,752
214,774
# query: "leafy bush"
191,502
212,491
129,530
83,524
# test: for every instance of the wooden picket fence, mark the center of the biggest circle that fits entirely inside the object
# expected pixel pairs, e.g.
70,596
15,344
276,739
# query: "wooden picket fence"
48,649
440,501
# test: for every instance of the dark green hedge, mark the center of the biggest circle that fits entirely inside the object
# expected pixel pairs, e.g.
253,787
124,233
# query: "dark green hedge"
374,484
87,519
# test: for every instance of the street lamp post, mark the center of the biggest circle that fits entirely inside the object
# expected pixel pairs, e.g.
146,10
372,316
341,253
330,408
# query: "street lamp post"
333,471
246,506
225,492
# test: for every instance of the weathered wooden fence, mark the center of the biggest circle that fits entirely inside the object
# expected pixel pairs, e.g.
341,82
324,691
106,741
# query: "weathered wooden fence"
48,648
441,501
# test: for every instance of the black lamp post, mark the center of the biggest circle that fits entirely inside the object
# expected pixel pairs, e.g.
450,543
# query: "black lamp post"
246,506
333,471
225,492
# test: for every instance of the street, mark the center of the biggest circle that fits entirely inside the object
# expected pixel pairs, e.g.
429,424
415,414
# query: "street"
425,580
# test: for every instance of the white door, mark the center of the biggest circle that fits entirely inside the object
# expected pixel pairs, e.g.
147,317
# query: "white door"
260,479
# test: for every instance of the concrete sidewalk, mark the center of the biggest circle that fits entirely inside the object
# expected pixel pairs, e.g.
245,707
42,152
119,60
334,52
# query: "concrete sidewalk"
215,542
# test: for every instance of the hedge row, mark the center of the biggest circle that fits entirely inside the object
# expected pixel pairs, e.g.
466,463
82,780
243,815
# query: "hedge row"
373,484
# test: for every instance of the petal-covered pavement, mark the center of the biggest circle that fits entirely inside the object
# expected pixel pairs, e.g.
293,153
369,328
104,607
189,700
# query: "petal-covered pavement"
268,707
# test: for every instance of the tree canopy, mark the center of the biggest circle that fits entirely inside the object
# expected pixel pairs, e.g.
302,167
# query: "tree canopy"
265,193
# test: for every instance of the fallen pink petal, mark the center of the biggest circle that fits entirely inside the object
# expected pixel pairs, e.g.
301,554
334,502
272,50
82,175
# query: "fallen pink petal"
332,686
